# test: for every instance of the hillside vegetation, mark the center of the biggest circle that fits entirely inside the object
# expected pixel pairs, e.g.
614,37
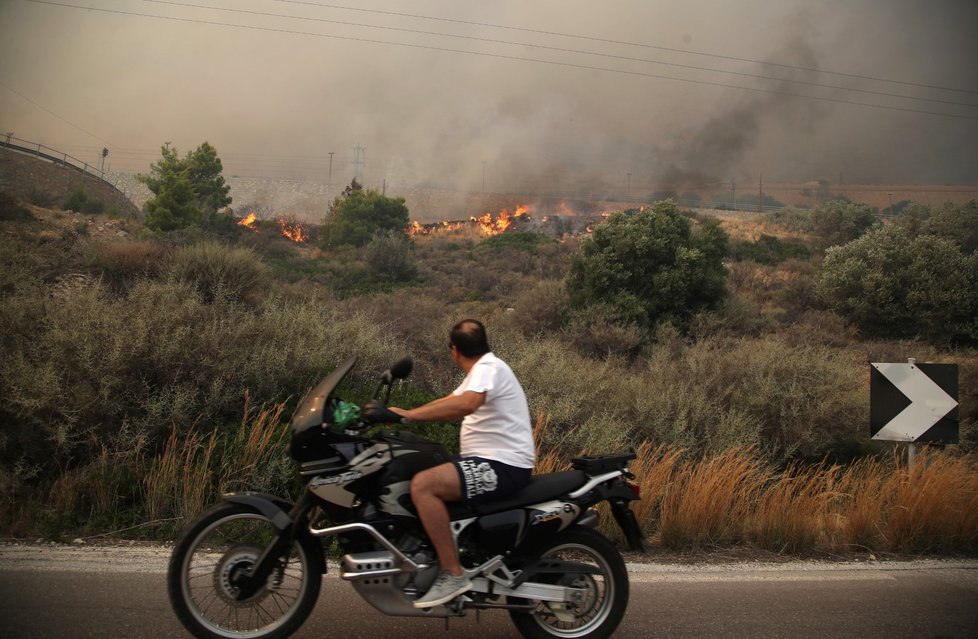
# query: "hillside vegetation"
144,372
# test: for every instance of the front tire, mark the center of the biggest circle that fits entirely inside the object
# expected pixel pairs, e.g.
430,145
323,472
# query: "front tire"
598,615
221,543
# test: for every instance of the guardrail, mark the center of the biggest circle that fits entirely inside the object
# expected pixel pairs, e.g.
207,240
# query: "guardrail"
53,155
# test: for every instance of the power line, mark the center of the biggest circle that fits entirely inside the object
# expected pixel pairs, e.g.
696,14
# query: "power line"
625,58
49,111
630,44
510,57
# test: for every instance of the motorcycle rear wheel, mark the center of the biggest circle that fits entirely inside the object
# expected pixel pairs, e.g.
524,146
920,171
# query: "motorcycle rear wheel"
221,543
598,615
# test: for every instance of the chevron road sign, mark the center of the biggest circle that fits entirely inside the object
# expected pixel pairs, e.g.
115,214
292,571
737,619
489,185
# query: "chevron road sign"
914,402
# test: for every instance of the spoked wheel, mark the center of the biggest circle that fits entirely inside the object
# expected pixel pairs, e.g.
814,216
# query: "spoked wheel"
205,570
603,585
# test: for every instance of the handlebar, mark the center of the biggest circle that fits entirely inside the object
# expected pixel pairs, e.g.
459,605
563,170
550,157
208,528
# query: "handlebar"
374,412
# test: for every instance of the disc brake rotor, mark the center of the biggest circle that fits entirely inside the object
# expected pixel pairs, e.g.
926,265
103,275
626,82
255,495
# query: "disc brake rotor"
236,562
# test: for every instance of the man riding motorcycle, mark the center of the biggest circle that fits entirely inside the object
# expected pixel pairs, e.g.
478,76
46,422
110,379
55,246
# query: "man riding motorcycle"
497,450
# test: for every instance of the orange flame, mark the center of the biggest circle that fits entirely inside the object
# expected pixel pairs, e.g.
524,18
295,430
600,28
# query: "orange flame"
503,221
293,230
416,229
249,222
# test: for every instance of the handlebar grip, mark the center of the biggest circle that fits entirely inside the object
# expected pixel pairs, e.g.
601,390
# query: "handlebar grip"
376,413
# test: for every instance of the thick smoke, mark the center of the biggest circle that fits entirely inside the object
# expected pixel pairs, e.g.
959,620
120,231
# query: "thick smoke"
276,101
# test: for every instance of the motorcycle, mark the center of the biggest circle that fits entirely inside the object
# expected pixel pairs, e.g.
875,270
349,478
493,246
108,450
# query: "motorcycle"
252,565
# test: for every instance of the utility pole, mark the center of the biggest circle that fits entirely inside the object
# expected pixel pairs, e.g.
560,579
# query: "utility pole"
358,152
329,180
733,189
760,193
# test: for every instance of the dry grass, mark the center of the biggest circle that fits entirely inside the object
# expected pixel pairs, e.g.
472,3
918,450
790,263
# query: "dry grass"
735,497
708,502
933,507
194,470
180,482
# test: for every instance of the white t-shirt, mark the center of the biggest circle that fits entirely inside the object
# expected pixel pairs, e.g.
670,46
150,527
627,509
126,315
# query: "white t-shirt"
499,429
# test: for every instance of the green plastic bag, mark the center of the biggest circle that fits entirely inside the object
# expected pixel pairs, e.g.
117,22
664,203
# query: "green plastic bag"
345,414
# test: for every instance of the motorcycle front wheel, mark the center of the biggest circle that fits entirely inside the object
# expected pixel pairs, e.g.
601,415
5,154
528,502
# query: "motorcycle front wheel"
222,543
605,586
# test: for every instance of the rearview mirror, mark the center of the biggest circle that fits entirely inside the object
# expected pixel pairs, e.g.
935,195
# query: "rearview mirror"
400,370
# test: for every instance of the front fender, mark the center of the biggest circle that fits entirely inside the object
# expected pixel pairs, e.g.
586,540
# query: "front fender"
275,508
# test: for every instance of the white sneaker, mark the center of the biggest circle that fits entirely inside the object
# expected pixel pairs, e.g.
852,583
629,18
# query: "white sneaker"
446,587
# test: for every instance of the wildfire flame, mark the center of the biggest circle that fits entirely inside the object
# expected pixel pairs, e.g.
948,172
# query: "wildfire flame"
503,221
293,230
416,229
249,222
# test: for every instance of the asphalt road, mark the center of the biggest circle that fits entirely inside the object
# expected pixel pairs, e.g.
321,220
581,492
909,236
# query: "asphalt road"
115,594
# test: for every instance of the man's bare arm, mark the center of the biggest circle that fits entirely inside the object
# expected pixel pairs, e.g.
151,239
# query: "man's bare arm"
448,408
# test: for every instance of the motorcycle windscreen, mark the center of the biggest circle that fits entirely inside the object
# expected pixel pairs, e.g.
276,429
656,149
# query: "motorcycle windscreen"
310,411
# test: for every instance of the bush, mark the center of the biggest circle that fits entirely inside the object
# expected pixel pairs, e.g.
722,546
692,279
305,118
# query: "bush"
388,255
120,264
838,221
80,202
769,250
892,285
912,219
650,266
792,219
218,272
956,223
354,218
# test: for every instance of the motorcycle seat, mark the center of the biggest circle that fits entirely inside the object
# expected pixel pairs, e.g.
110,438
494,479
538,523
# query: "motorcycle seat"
540,488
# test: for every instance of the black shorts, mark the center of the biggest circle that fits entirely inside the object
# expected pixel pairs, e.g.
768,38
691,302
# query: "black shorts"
487,479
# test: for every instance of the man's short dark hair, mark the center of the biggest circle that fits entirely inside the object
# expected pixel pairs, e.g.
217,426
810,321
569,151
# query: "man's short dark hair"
469,337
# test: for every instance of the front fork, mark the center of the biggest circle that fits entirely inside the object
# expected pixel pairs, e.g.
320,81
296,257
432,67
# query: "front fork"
287,523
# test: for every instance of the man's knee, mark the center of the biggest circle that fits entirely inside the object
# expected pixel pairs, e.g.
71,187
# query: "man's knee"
441,481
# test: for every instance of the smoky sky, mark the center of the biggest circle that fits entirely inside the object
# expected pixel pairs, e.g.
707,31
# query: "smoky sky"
657,93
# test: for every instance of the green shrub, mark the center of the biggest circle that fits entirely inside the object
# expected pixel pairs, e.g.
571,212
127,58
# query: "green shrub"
892,285
792,219
956,223
388,256
218,272
839,221
354,218
80,202
650,266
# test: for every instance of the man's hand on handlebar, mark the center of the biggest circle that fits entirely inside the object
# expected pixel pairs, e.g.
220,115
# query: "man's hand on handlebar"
376,413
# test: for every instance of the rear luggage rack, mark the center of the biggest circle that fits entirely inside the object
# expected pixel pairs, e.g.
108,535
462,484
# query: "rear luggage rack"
602,464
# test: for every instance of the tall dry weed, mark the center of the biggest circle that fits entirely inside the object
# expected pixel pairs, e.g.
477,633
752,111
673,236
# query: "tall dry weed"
180,483
792,510
932,507
856,513
709,500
